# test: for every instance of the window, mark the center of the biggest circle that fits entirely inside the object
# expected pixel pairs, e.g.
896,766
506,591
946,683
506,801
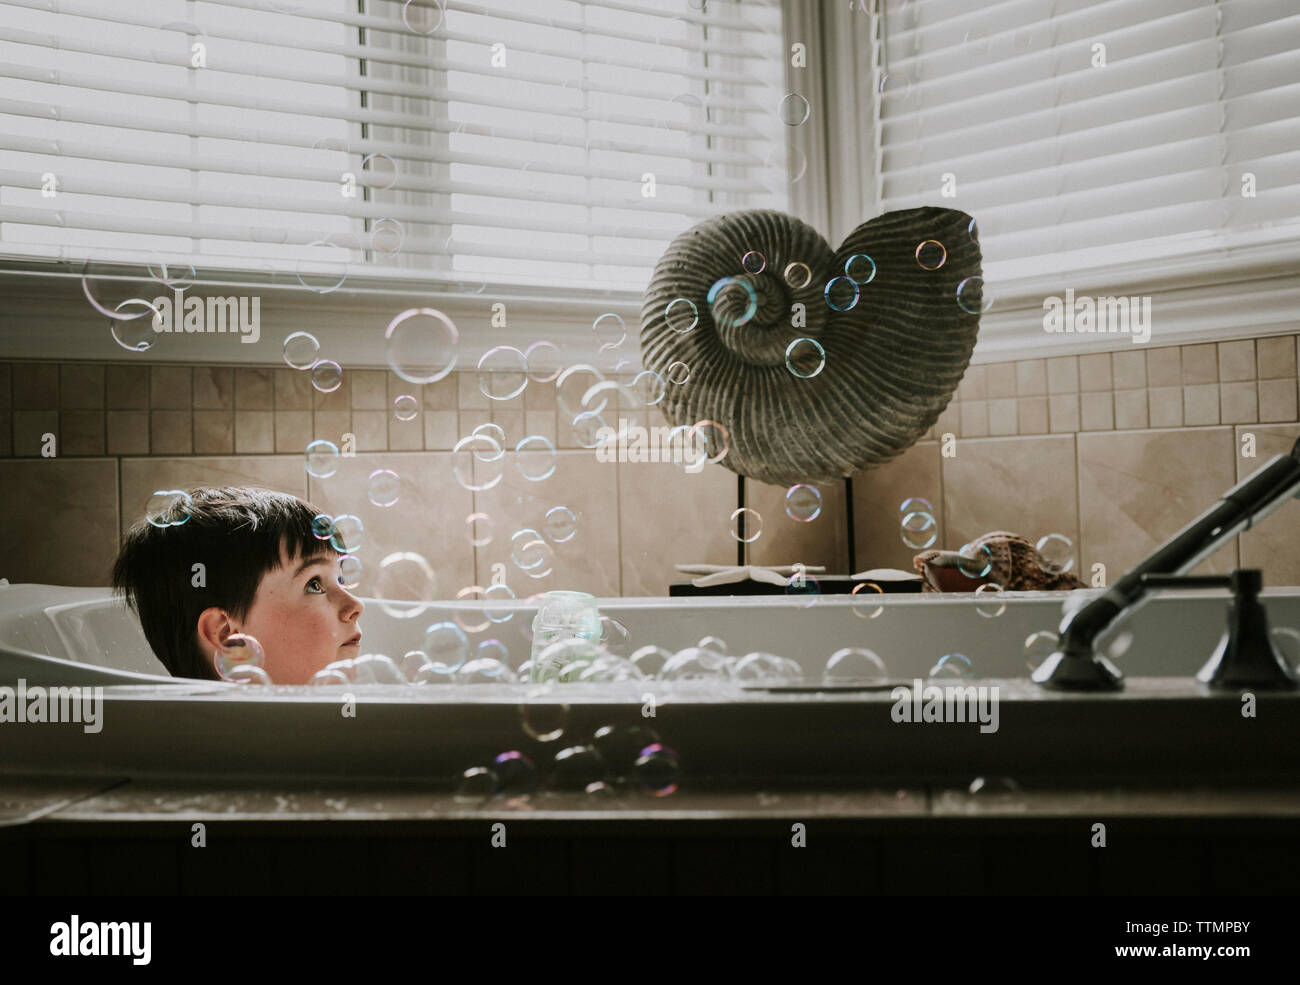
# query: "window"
1123,138
548,144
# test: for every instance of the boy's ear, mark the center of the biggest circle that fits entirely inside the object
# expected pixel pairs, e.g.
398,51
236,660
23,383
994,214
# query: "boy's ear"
214,627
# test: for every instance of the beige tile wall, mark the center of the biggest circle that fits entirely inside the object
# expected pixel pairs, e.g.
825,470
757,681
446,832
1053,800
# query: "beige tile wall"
1113,450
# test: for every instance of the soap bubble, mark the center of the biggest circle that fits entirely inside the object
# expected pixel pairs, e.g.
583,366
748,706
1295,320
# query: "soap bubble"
649,387
759,667
610,668
860,269
406,407
322,458
502,373
650,659
322,526
915,504
586,429
349,569
919,530
476,783
477,462
992,786
972,298
715,644
168,508
500,594
610,329
378,171
484,670
492,649
420,345
841,294
412,662
525,548
446,644
614,636
494,433
386,236
301,350
803,503
658,770
753,262
539,353
955,665
330,676
543,721
713,438
855,665
561,524
805,358
798,275
248,674
931,254
516,773
746,525
734,301
325,274
238,650
793,109
1287,643
384,488
989,609
433,673
465,618
681,315
348,531
1039,646
621,746
130,329
573,383
535,457
974,560
1057,554
405,578
694,664
562,654
574,770
677,373
327,376
479,527
377,668
864,596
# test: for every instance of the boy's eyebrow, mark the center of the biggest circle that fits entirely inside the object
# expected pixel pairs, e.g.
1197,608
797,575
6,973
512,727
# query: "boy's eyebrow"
309,562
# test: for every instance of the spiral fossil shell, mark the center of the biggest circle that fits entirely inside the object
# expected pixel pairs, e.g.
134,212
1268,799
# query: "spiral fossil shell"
892,360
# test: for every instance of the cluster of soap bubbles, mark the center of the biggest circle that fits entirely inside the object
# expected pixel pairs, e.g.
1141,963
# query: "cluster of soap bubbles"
302,352
917,524
614,760
479,458
128,323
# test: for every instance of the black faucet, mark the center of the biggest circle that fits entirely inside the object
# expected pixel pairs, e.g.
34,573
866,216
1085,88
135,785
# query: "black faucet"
1076,666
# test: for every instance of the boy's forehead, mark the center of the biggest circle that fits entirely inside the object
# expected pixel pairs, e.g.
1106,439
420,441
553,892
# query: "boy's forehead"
324,554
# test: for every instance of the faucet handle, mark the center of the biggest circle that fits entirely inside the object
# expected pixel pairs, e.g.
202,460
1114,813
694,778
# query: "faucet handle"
1245,656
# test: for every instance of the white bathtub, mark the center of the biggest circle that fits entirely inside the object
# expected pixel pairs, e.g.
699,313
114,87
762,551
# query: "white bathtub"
157,726
64,636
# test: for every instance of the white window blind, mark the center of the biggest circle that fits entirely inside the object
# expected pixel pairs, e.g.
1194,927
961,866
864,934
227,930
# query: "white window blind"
544,143
1070,163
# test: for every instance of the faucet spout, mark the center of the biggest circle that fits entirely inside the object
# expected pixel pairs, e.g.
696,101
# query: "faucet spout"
1076,665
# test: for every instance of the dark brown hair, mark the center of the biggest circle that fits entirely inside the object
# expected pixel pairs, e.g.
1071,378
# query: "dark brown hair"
236,533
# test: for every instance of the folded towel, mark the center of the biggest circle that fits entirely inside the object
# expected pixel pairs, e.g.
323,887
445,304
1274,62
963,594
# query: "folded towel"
721,574
886,574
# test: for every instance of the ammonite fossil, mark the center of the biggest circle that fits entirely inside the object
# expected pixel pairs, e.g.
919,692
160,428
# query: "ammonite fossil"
817,363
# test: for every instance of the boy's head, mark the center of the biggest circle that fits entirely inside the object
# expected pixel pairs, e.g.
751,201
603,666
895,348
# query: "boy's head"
264,574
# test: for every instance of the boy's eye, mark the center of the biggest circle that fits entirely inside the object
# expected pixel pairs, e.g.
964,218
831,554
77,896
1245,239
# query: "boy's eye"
316,583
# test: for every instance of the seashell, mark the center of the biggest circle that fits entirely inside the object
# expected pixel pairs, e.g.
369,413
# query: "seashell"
1014,566
892,360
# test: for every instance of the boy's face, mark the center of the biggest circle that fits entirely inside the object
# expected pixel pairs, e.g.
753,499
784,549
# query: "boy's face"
304,618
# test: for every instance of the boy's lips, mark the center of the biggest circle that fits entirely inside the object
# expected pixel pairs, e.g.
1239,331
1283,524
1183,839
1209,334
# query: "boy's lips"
355,641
